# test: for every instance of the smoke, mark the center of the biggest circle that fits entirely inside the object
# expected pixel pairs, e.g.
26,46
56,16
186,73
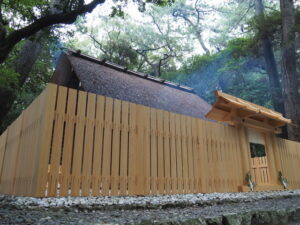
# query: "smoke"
243,77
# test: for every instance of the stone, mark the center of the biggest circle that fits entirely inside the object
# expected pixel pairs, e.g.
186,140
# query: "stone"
261,217
218,220
196,221
232,219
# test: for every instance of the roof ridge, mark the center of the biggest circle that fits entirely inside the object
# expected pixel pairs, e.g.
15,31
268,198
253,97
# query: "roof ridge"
131,72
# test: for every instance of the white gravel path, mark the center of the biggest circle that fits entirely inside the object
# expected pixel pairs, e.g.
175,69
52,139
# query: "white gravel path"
148,201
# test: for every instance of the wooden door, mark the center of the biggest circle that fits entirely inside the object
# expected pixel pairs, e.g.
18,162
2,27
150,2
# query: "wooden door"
260,170
259,162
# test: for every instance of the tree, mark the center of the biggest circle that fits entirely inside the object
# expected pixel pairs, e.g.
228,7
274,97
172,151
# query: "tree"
25,60
37,16
69,12
193,16
290,78
233,16
151,45
20,97
271,66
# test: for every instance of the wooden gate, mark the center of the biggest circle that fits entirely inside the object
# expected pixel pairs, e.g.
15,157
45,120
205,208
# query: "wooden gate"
259,162
260,170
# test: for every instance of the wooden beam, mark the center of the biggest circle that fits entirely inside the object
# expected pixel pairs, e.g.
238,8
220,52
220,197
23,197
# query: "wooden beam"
216,114
230,114
248,122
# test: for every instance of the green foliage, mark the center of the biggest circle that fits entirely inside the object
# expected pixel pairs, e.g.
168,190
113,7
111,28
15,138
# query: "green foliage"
135,43
196,62
297,18
23,96
161,2
8,78
122,54
117,11
240,47
17,13
254,88
232,70
266,25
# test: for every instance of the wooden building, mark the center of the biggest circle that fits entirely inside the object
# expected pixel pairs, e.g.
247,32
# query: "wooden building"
101,129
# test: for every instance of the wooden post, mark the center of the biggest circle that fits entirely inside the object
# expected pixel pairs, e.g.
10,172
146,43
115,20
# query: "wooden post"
245,151
271,159
277,160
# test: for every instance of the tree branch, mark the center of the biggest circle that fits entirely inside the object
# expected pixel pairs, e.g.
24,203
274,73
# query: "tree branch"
59,18
99,44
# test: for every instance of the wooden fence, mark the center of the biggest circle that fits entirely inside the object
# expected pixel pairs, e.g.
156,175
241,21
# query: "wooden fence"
74,143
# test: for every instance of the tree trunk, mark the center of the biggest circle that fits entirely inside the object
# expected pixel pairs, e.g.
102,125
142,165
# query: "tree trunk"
274,82
27,57
289,73
156,69
271,67
200,39
25,61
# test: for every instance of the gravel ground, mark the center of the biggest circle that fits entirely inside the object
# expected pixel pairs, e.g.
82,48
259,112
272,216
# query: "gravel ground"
215,208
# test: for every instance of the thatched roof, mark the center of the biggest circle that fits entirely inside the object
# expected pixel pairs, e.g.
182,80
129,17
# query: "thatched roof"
108,79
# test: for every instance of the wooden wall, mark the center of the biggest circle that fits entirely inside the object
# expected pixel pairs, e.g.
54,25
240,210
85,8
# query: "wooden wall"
20,150
74,143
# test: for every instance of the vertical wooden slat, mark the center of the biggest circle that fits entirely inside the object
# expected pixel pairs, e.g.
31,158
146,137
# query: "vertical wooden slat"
239,176
88,145
147,150
98,144
184,154
179,153
202,155
226,159
214,158
190,156
57,141
195,156
140,172
79,144
116,148
160,152
68,143
124,148
132,149
245,151
222,165
173,154
229,159
167,156
153,124
107,145
210,163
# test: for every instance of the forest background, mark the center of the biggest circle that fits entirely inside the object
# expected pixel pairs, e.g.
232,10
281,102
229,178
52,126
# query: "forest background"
247,48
